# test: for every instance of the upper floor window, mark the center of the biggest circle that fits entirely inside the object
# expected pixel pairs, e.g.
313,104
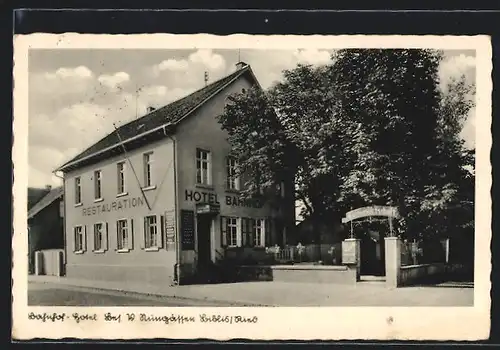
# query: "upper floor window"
148,174
97,184
233,181
203,167
120,167
78,190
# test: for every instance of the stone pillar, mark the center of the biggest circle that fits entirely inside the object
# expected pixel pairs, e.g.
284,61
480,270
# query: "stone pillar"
38,263
351,255
392,262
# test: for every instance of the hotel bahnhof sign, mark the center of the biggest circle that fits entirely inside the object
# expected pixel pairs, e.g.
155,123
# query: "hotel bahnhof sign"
374,210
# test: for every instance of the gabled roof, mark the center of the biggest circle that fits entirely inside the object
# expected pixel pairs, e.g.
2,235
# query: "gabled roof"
170,114
50,197
35,195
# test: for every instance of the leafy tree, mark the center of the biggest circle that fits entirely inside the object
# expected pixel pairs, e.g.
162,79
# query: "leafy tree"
372,127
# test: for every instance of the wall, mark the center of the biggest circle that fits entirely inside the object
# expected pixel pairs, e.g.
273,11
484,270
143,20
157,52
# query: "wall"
202,130
137,264
414,274
46,232
299,273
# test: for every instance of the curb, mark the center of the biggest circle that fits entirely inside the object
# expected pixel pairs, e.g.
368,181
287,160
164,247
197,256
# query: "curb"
157,295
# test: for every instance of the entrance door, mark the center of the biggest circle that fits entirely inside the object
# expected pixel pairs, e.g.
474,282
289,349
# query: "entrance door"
372,253
203,229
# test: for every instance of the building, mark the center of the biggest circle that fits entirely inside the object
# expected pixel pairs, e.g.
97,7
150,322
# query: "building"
156,200
45,222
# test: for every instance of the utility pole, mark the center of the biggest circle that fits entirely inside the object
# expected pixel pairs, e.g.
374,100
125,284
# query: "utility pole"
206,78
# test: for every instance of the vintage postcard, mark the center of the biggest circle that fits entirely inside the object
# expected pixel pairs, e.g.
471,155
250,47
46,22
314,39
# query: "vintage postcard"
251,187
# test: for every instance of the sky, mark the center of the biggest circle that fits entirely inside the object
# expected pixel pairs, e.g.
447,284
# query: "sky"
75,95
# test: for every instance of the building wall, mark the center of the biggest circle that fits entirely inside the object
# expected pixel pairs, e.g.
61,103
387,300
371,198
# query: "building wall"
45,232
202,130
138,264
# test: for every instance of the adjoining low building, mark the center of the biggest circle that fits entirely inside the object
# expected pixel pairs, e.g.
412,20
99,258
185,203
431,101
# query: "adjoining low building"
45,223
157,200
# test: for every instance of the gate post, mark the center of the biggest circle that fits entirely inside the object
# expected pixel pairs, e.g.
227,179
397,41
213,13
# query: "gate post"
392,262
351,253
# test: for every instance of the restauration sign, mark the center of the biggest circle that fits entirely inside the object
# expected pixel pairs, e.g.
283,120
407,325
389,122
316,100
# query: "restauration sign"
375,210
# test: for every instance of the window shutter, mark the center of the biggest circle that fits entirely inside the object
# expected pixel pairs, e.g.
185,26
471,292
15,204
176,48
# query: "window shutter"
161,231
251,232
267,232
74,240
244,233
105,237
143,235
131,235
223,231
92,238
84,238
117,235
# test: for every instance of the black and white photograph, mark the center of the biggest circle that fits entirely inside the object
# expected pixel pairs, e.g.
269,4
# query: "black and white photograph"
308,177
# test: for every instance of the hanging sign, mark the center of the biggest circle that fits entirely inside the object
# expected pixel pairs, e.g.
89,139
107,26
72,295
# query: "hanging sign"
207,208
350,252
375,210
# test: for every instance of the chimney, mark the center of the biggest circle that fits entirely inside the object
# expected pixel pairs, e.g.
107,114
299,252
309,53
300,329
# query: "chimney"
48,187
150,109
241,65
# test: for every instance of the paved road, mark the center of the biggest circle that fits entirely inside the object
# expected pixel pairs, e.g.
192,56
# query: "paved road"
46,294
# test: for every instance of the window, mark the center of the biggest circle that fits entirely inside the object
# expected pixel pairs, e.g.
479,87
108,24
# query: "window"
151,232
259,232
233,232
148,162
247,232
203,167
99,237
123,237
97,184
79,239
78,190
233,182
120,167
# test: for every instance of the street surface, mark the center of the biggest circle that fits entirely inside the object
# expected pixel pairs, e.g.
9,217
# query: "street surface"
45,294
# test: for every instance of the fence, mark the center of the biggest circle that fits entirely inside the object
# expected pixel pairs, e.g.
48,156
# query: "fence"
328,254
424,252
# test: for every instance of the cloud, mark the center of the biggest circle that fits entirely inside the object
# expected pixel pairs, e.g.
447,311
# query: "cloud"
200,60
80,72
114,81
175,65
208,59
454,66
312,56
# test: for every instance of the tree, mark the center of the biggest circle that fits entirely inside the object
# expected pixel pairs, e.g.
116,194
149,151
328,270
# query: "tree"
371,127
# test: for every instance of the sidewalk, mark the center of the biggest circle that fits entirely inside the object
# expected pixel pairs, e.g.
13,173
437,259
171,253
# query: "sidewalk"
287,293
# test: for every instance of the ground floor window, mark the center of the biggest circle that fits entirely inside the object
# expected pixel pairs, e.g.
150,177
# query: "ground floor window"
79,238
249,232
123,235
151,239
259,232
99,237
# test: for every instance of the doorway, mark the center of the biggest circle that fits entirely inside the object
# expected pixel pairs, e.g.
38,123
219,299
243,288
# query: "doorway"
204,245
372,249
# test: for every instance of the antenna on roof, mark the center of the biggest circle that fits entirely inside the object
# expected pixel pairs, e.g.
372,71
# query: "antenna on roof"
206,78
136,99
